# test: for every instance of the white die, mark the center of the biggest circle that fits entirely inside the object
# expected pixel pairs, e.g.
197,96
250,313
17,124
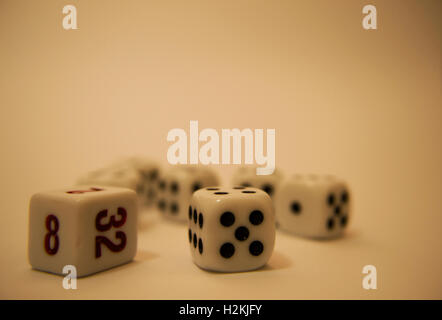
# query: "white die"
122,175
247,177
137,173
314,206
93,228
176,186
231,229
149,171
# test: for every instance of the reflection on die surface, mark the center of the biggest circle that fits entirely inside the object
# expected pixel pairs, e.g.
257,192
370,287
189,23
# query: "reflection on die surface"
231,229
247,177
314,206
176,186
90,227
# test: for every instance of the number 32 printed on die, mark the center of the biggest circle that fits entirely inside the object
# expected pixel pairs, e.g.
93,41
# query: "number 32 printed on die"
114,222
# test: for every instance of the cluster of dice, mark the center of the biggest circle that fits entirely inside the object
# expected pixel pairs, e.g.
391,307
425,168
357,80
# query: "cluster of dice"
93,226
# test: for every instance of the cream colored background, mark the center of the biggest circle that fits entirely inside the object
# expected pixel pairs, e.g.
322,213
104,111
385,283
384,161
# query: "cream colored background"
365,105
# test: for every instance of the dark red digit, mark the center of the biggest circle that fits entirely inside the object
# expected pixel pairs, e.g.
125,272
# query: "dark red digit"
98,225
123,214
52,233
112,222
111,246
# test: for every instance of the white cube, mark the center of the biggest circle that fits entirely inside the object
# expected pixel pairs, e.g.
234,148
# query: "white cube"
314,206
90,227
231,229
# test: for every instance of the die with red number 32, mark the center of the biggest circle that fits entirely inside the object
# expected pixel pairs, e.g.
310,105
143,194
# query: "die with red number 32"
93,228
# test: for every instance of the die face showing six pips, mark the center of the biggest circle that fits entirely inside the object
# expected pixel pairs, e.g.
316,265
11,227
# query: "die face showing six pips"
231,229
314,206
176,186
149,171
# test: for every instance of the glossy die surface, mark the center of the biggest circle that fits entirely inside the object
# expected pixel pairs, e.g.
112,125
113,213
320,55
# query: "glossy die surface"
176,186
315,206
93,228
247,177
231,229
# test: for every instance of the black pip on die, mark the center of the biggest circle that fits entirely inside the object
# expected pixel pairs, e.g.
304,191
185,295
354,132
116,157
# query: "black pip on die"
149,172
91,228
247,177
176,186
315,206
231,229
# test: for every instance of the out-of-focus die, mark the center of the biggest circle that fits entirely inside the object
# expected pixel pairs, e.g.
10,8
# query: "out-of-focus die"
314,206
90,227
247,177
176,186
122,175
136,173
91,177
231,229
149,171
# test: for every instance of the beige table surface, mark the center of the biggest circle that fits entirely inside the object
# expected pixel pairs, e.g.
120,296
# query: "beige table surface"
364,105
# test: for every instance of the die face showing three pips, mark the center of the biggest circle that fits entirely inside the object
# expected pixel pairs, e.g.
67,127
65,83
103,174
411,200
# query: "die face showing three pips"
231,229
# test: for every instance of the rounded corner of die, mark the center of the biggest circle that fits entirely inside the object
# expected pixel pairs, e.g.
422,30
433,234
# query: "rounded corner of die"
132,195
30,257
35,198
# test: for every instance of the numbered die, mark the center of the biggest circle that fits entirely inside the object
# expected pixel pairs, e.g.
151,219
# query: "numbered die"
176,186
231,229
91,228
315,206
247,177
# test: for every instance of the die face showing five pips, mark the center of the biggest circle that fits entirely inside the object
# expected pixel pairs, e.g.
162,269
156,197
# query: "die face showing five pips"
338,204
313,206
237,232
